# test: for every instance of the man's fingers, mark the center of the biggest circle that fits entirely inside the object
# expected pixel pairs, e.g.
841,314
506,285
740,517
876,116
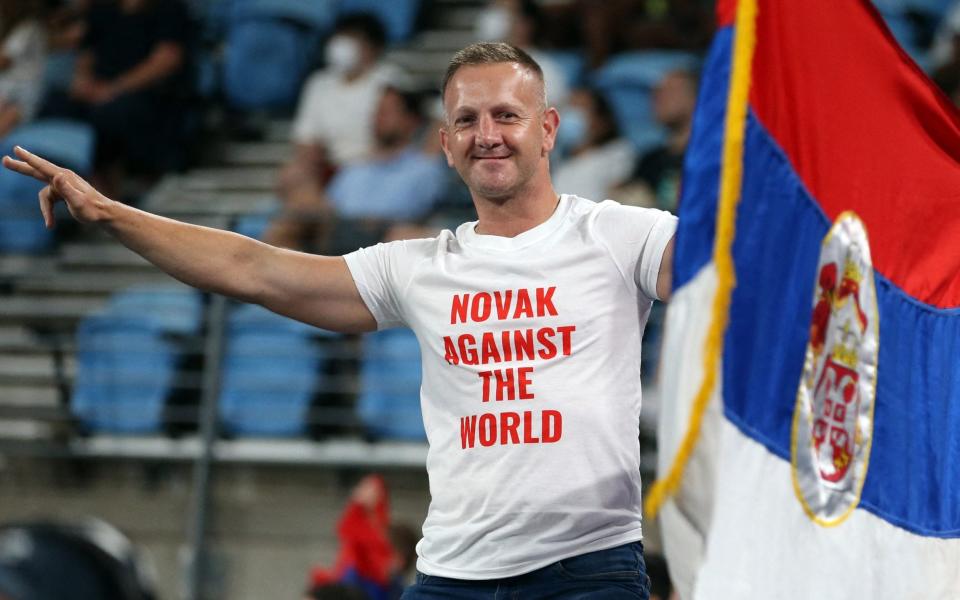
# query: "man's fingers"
23,168
68,185
47,200
45,167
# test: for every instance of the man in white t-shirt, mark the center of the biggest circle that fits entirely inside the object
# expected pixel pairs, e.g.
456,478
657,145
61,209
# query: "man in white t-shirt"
529,322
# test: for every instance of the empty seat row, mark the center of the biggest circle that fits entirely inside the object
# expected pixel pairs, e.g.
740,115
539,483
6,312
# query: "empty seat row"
130,356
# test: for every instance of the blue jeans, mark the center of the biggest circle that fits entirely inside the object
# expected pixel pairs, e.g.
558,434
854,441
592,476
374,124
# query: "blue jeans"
614,574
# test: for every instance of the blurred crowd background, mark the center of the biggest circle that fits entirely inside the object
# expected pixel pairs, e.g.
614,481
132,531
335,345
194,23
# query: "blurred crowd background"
161,435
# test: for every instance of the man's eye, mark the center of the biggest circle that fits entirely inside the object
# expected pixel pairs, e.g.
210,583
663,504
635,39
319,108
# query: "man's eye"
508,115
464,120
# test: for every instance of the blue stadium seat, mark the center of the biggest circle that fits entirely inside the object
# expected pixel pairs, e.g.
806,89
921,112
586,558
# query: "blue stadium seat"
21,226
67,143
270,46
177,310
126,368
128,356
628,79
272,368
399,17
389,402
315,14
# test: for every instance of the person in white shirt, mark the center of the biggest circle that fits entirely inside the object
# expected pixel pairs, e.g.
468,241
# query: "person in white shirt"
529,322
600,158
23,52
334,117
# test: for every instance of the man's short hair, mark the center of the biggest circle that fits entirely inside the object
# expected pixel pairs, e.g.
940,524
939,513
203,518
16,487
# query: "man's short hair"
488,53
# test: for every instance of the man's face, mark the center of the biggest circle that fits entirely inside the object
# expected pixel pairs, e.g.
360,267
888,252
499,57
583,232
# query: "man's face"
497,134
393,125
674,99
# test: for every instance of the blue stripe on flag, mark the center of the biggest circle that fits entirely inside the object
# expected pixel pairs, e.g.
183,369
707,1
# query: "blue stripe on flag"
914,476
701,170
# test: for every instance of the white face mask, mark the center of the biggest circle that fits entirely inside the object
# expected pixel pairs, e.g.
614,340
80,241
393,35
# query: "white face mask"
343,54
493,24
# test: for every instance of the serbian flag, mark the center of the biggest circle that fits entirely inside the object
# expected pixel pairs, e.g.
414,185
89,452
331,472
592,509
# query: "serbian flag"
810,422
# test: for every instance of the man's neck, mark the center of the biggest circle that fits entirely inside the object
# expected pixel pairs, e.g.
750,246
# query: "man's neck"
516,215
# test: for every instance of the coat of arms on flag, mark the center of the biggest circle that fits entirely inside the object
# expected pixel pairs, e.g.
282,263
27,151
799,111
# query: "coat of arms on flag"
833,419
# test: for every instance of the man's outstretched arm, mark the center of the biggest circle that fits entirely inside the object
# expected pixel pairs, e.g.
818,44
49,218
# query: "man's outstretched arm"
314,289
665,276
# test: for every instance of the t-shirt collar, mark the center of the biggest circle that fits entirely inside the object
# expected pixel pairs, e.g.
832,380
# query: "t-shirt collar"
468,236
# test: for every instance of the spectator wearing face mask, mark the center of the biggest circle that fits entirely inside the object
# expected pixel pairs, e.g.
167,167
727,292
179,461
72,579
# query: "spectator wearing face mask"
334,117
519,22
656,178
600,158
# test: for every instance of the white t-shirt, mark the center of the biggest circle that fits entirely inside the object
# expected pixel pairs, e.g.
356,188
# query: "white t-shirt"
339,114
531,380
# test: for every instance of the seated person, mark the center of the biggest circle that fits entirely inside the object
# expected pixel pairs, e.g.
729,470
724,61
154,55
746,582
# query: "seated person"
656,178
600,158
520,22
22,55
398,183
129,84
334,116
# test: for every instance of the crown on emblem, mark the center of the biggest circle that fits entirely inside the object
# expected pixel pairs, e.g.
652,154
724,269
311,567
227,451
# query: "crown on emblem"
842,353
851,271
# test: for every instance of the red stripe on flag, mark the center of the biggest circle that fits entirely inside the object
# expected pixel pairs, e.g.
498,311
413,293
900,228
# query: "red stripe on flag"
866,131
726,12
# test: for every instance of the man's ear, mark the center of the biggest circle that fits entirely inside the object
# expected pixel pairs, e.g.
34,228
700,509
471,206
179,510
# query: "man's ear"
551,121
443,144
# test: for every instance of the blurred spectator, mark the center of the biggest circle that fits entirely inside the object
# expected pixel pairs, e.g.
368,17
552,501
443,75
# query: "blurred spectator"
943,49
130,83
661,588
334,117
519,22
656,179
617,25
398,183
22,55
368,559
600,158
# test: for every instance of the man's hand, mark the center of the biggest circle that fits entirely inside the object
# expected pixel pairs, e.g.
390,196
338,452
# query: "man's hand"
85,204
93,91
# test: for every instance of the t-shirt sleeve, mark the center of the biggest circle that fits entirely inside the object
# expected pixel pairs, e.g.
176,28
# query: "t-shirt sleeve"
636,238
381,273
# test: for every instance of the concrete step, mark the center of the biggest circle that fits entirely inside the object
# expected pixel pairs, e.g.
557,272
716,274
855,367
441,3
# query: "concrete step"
90,283
15,265
446,40
219,205
244,178
101,256
47,312
36,396
254,154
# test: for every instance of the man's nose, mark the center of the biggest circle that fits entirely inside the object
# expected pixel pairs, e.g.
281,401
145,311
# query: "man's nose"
488,133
